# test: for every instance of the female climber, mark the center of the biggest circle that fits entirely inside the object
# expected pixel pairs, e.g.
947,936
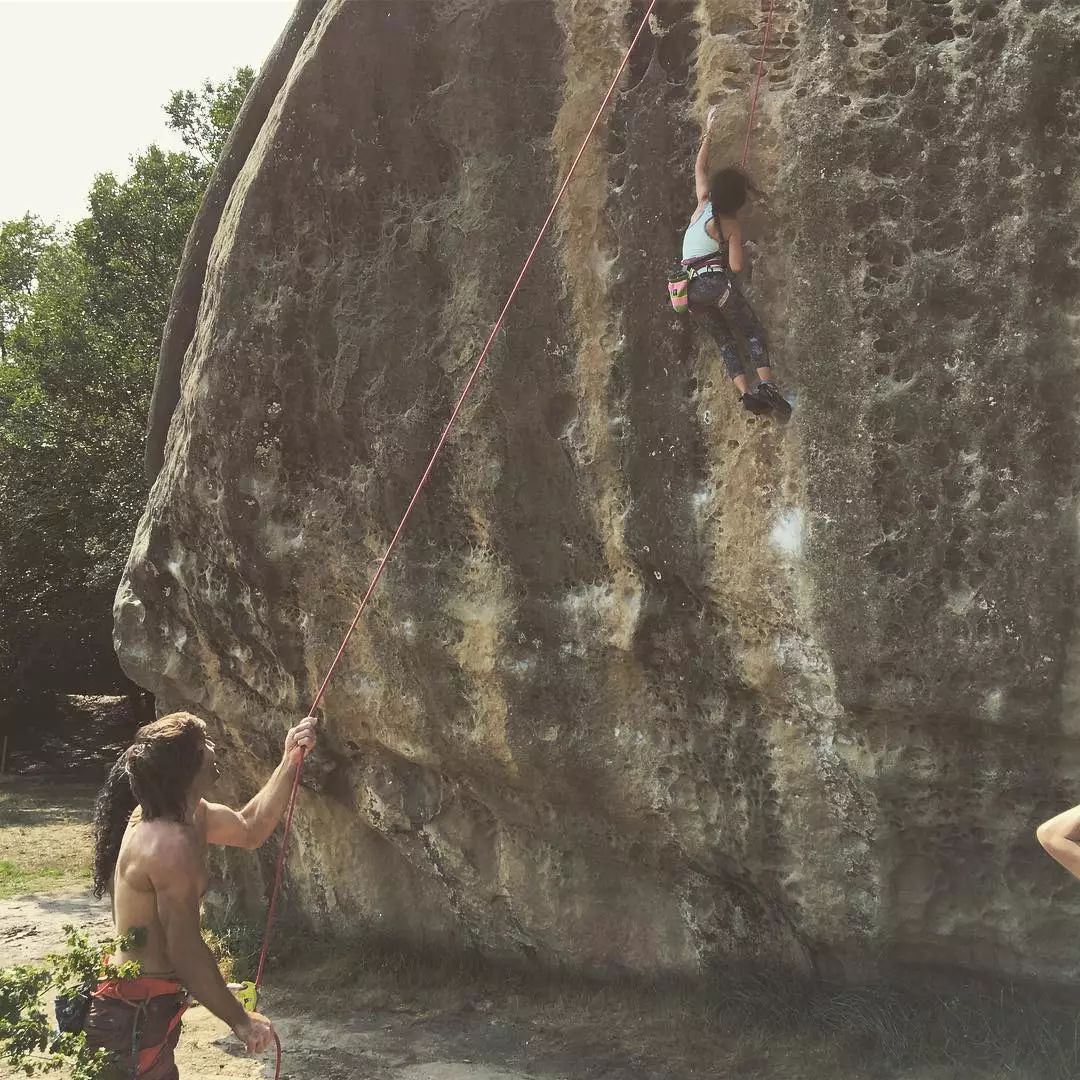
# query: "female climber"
712,249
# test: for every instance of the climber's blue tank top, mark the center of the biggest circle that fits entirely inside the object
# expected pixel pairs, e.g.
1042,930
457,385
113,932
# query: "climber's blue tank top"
697,243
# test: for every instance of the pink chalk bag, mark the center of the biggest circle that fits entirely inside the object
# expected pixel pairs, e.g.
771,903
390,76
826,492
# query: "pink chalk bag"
678,287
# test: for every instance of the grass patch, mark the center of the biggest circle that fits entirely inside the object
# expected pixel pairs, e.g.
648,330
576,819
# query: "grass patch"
45,837
18,881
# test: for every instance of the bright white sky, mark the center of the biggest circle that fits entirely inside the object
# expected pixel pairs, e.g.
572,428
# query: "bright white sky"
83,83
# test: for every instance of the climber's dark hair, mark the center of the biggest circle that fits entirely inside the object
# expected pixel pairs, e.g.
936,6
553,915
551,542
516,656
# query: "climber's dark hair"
155,773
729,190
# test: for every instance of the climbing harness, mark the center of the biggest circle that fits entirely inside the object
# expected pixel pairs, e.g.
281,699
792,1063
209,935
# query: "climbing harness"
140,997
279,872
679,284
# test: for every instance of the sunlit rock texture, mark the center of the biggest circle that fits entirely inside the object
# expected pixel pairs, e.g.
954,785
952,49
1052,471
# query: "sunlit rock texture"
651,684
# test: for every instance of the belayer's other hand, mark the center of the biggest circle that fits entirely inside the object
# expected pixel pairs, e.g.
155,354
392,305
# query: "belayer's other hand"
255,1032
300,740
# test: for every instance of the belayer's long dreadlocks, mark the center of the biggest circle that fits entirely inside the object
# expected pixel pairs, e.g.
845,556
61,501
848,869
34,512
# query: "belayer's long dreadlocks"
156,773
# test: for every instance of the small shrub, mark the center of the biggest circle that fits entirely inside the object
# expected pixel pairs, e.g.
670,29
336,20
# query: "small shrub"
29,1041
235,948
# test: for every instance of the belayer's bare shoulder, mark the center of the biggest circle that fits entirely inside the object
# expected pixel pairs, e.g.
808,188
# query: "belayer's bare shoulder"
170,847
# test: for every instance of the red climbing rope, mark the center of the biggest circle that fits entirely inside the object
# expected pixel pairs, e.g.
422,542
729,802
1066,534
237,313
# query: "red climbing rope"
279,873
757,83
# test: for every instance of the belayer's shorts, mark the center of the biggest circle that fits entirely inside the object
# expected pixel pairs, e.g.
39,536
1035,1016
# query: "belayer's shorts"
138,1021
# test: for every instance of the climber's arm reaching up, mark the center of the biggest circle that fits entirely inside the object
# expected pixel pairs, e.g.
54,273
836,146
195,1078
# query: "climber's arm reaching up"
1060,836
701,165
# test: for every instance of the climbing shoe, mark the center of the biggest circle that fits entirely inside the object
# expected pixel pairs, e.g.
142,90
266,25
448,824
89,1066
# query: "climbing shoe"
767,393
754,404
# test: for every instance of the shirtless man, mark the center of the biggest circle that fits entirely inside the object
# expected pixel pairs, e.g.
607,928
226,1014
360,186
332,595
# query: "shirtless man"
151,830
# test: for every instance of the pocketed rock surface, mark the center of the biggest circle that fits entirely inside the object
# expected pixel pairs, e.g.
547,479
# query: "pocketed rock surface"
650,683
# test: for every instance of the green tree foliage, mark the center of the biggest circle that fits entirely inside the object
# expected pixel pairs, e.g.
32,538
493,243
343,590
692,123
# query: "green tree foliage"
204,117
22,244
28,1038
81,316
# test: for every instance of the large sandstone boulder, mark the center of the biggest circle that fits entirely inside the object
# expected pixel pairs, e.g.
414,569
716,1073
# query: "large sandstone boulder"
650,682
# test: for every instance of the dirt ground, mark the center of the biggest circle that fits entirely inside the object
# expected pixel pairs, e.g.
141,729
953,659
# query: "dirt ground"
357,1014
400,1023
437,1034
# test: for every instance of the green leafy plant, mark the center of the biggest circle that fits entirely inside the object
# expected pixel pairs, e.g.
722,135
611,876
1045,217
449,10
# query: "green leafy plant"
204,117
81,316
235,947
29,1041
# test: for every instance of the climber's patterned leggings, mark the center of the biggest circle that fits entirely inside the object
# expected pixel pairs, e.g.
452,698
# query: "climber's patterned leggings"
735,315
